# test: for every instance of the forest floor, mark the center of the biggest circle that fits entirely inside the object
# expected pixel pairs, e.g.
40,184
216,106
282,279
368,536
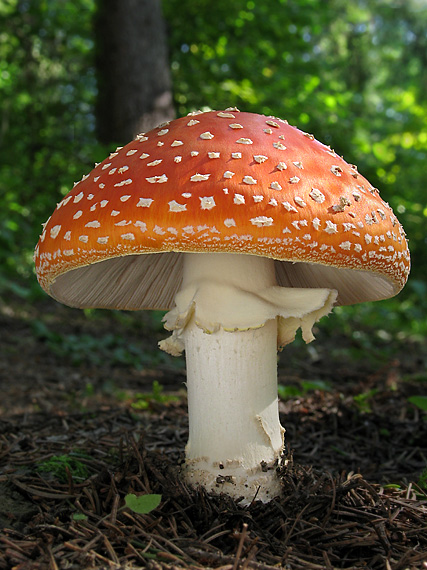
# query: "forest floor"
91,412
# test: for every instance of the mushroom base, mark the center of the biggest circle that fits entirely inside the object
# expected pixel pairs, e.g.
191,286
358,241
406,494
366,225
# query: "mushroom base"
261,484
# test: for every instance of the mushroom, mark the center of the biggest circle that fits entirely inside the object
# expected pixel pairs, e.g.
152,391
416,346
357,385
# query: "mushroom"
244,228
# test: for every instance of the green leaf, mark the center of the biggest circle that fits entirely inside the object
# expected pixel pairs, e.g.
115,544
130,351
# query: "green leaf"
422,481
142,504
286,392
79,517
315,385
419,401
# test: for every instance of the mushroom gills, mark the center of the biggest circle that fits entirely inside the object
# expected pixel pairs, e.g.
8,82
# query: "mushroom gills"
151,281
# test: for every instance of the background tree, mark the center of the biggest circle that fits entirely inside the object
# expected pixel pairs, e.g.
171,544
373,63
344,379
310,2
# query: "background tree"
133,73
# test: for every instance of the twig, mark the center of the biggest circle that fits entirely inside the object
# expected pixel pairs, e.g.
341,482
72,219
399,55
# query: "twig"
240,545
53,564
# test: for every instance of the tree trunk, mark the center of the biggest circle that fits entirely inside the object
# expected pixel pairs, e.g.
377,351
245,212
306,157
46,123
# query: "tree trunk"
134,83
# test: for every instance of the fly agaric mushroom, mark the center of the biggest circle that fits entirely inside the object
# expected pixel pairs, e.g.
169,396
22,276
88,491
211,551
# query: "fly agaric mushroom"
246,228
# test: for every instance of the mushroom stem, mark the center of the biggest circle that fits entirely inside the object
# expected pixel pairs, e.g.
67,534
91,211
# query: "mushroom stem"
230,316
236,439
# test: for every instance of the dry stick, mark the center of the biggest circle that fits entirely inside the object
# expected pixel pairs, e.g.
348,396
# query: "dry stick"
112,490
212,557
55,528
95,499
142,470
91,543
158,538
252,552
12,544
372,491
168,556
187,520
173,526
212,537
253,546
117,529
298,517
39,493
85,511
379,527
92,499
114,509
121,454
131,547
312,565
15,556
70,481
328,564
332,505
53,564
240,545
75,547
103,558
111,550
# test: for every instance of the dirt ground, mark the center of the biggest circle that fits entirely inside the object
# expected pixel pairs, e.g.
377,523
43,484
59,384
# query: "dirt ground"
79,389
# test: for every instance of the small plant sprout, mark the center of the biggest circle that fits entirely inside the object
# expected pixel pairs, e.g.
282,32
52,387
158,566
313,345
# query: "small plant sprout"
139,504
157,395
63,466
255,231
79,517
142,504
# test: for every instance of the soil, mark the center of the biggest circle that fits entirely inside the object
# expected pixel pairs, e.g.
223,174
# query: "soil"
91,412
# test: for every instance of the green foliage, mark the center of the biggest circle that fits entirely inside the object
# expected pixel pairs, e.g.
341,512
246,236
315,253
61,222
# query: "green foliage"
61,466
363,401
79,517
47,90
142,504
419,401
376,329
305,386
419,490
96,350
143,401
422,481
288,392
393,486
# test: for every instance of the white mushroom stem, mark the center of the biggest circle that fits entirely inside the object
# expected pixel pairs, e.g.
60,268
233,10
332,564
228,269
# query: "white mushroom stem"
236,440
230,315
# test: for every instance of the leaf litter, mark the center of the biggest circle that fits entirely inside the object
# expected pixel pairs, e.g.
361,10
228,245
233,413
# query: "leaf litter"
354,493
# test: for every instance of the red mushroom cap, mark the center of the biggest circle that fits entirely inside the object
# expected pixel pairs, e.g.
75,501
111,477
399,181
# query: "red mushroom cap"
220,182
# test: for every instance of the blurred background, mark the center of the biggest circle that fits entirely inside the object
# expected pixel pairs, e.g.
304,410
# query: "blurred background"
78,77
